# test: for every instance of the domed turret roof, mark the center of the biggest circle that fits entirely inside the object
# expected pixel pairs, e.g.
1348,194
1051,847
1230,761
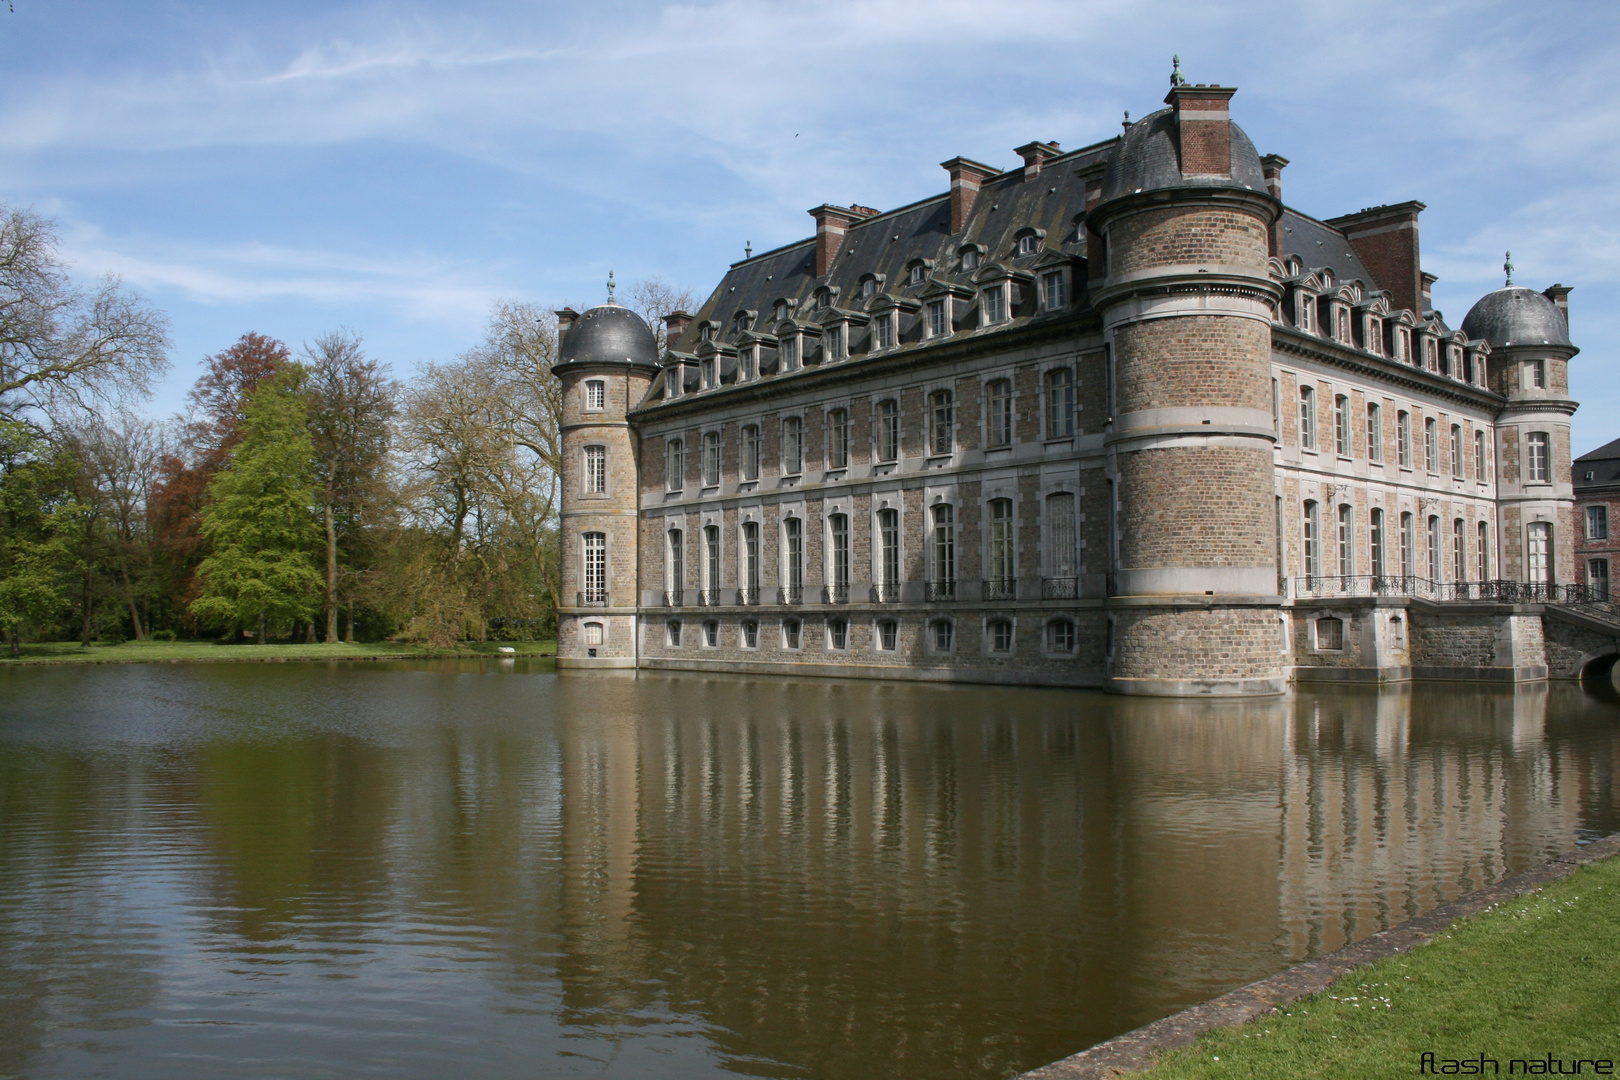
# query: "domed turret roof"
1517,316
609,334
1145,160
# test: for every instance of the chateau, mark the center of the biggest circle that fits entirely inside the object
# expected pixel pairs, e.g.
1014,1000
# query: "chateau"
1119,418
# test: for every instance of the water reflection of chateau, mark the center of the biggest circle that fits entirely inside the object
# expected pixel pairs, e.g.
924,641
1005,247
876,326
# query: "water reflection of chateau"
983,879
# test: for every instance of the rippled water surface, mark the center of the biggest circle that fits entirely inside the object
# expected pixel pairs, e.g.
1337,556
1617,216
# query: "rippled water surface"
433,870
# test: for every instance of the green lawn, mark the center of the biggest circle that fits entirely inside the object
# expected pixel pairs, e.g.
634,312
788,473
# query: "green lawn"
134,652
1535,976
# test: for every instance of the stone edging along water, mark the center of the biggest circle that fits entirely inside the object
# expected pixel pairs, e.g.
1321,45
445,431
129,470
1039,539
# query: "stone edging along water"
1137,1050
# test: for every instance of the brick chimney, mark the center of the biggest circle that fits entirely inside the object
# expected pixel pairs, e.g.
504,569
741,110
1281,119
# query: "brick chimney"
566,317
1428,294
1272,166
1035,155
1559,295
1204,128
966,178
1386,238
675,324
1096,254
831,224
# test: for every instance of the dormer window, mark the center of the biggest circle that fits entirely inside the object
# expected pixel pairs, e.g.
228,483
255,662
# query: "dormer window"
743,320
1431,354
1403,345
1294,266
834,338
746,368
780,310
672,382
868,287
938,319
1374,334
1054,294
706,332
1341,323
706,370
790,352
1454,363
883,330
915,275
995,303
1027,244
970,259
1305,311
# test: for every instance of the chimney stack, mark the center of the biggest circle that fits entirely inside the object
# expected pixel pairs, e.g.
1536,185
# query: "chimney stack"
1204,127
566,317
1035,155
1428,294
675,324
1096,246
1386,239
1559,295
831,224
966,178
1272,166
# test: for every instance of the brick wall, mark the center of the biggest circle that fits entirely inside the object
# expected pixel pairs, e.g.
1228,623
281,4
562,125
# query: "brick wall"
1193,361
1183,235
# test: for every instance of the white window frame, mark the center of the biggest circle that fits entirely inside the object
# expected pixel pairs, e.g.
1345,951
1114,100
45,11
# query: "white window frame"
594,471
595,395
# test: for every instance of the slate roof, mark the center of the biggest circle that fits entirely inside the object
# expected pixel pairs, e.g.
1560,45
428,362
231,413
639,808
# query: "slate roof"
608,334
1517,316
1148,161
1320,245
1604,465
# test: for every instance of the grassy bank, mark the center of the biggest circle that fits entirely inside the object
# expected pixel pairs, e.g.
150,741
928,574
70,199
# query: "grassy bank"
154,652
1535,976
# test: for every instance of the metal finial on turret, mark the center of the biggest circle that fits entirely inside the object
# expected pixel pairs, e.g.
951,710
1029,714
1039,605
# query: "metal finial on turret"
611,287
748,250
1176,77
1507,268
1127,122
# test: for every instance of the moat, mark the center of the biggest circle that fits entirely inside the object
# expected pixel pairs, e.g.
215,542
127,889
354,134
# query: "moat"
427,869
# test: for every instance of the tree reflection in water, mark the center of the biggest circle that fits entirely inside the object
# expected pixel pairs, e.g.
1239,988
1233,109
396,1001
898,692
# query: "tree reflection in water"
481,868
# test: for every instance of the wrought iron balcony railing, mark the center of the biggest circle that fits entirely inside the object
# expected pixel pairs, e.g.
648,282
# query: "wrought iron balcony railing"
708,597
941,590
792,594
1060,588
674,597
1005,588
886,592
835,594
748,594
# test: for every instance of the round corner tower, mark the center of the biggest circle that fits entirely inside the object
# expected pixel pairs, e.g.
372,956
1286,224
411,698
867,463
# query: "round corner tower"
1186,300
607,359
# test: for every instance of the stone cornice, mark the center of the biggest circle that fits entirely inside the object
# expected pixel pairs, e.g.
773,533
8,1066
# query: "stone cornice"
1285,339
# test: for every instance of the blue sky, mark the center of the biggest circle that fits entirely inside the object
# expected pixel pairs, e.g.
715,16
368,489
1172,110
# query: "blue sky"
395,168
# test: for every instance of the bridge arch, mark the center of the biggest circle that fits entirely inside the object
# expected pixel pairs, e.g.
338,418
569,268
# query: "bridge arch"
1598,665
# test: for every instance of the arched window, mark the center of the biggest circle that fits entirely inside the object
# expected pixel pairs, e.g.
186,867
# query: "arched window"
1480,472
674,464
790,633
942,422
1307,417
1459,551
1539,552
750,634
792,446
889,552
711,564
594,634
748,452
1341,425
1000,635
1375,433
673,630
1313,541
1484,551
888,430
1000,584
1456,451
1408,548
1403,438
999,412
943,633
711,458
1063,547
792,560
837,634
675,571
1060,403
1431,445
750,562
1434,548
1377,543
711,634
595,470
838,557
1347,540
942,585
838,439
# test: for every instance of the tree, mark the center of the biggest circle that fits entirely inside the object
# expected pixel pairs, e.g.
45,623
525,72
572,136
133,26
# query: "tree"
60,344
259,521
653,298
36,526
351,409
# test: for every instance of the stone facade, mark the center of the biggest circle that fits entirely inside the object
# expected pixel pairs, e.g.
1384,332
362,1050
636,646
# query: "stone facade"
1096,421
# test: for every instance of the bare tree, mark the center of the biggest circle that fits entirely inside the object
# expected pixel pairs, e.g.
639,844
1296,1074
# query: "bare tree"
351,410
62,345
653,298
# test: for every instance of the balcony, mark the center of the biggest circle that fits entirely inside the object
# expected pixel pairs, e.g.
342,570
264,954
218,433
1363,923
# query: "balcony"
886,592
1000,588
1324,586
941,590
674,597
792,594
1060,588
748,594
708,597
835,594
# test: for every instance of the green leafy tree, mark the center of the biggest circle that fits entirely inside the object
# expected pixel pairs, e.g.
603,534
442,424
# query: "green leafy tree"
38,521
259,523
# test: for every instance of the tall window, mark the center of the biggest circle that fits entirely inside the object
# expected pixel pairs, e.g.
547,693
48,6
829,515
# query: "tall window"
1434,548
595,395
790,633
1052,291
677,562
1001,541
888,430
745,362
1060,403
838,560
748,452
1062,535
837,634
1307,417
595,470
1347,540
1535,374
793,557
1408,547
943,631
1539,548
1480,472
595,583
883,329
945,544
1431,445
1403,438
1597,578
889,546
1484,551
1341,426
838,439
1456,451
995,304
942,422
750,561
999,412
888,635
1313,540
674,464
835,341
789,347
792,446
1459,550
1375,433
711,458
711,558
938,323
1001,635
1597,522
1376,537
706,372
1536,470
